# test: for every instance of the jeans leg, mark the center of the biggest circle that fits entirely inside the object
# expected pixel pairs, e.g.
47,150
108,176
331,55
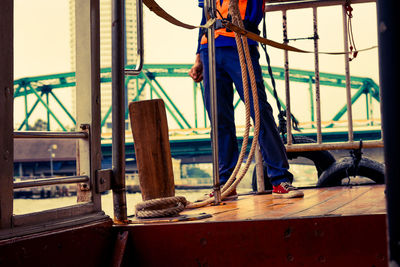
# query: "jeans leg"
272,148
227,141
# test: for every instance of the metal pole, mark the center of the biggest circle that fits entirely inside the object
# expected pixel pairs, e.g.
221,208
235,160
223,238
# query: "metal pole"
51,181
140,43
259,169
287,80
51,163
347,73
195,104
317,87
46,135
48,113
26,109
118,110
388,31
212,7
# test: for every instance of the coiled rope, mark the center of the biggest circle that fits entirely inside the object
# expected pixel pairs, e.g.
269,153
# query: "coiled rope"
171,206
160,207
244,57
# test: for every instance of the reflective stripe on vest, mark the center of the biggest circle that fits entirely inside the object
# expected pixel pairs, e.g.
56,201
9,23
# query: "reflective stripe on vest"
224,12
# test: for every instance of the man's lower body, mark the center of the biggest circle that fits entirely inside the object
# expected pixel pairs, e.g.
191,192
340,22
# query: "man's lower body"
228,72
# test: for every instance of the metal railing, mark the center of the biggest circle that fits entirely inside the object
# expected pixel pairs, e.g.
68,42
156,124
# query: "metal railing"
57,135
276,5
52,180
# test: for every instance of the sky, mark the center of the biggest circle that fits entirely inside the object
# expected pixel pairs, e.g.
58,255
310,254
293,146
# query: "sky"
42,44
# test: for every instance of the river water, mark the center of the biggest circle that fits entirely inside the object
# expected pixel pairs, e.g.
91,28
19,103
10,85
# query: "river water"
28,205
305,175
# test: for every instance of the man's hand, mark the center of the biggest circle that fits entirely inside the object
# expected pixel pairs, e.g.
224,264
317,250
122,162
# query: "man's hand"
196,72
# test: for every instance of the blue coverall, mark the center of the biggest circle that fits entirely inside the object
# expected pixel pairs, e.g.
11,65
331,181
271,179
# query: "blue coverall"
228,72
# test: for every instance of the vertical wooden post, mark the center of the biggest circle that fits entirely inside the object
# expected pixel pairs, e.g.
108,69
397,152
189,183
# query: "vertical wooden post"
6,113
153,155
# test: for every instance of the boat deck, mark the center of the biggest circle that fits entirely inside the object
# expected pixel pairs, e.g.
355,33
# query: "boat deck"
330,201
338,226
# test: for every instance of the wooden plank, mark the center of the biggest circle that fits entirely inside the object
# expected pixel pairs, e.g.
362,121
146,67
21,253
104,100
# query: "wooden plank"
153,154
311,197
253,207
342,196
316,202
6,112
372,202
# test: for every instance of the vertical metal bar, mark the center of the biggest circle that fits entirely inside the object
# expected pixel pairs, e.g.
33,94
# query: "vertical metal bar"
371,108
204,108
6,112
312,110
118,110
137,87
367,108
26,109
347,74
87,18
139,37
195,103
51,164
212,7
287,80
48,112
388,32
317,87
259,169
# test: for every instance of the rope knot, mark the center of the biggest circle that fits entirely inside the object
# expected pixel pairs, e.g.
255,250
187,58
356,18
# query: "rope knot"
161,207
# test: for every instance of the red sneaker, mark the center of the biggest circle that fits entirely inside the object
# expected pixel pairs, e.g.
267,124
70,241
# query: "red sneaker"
286,190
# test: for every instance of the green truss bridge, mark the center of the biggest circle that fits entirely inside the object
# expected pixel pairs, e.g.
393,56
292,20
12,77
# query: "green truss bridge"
44,97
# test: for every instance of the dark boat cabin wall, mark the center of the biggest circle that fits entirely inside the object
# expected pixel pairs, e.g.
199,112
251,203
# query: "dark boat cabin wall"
78,235
6,112
88,209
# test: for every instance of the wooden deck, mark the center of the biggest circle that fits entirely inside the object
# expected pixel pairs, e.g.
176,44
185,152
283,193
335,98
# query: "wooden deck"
333,201
341,226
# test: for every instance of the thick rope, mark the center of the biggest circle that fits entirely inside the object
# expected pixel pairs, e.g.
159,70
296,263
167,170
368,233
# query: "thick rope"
244,56
160,207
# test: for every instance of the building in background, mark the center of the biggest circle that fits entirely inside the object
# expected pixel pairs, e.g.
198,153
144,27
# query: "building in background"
105,49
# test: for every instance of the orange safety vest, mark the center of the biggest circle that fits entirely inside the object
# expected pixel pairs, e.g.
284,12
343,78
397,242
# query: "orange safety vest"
224,12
